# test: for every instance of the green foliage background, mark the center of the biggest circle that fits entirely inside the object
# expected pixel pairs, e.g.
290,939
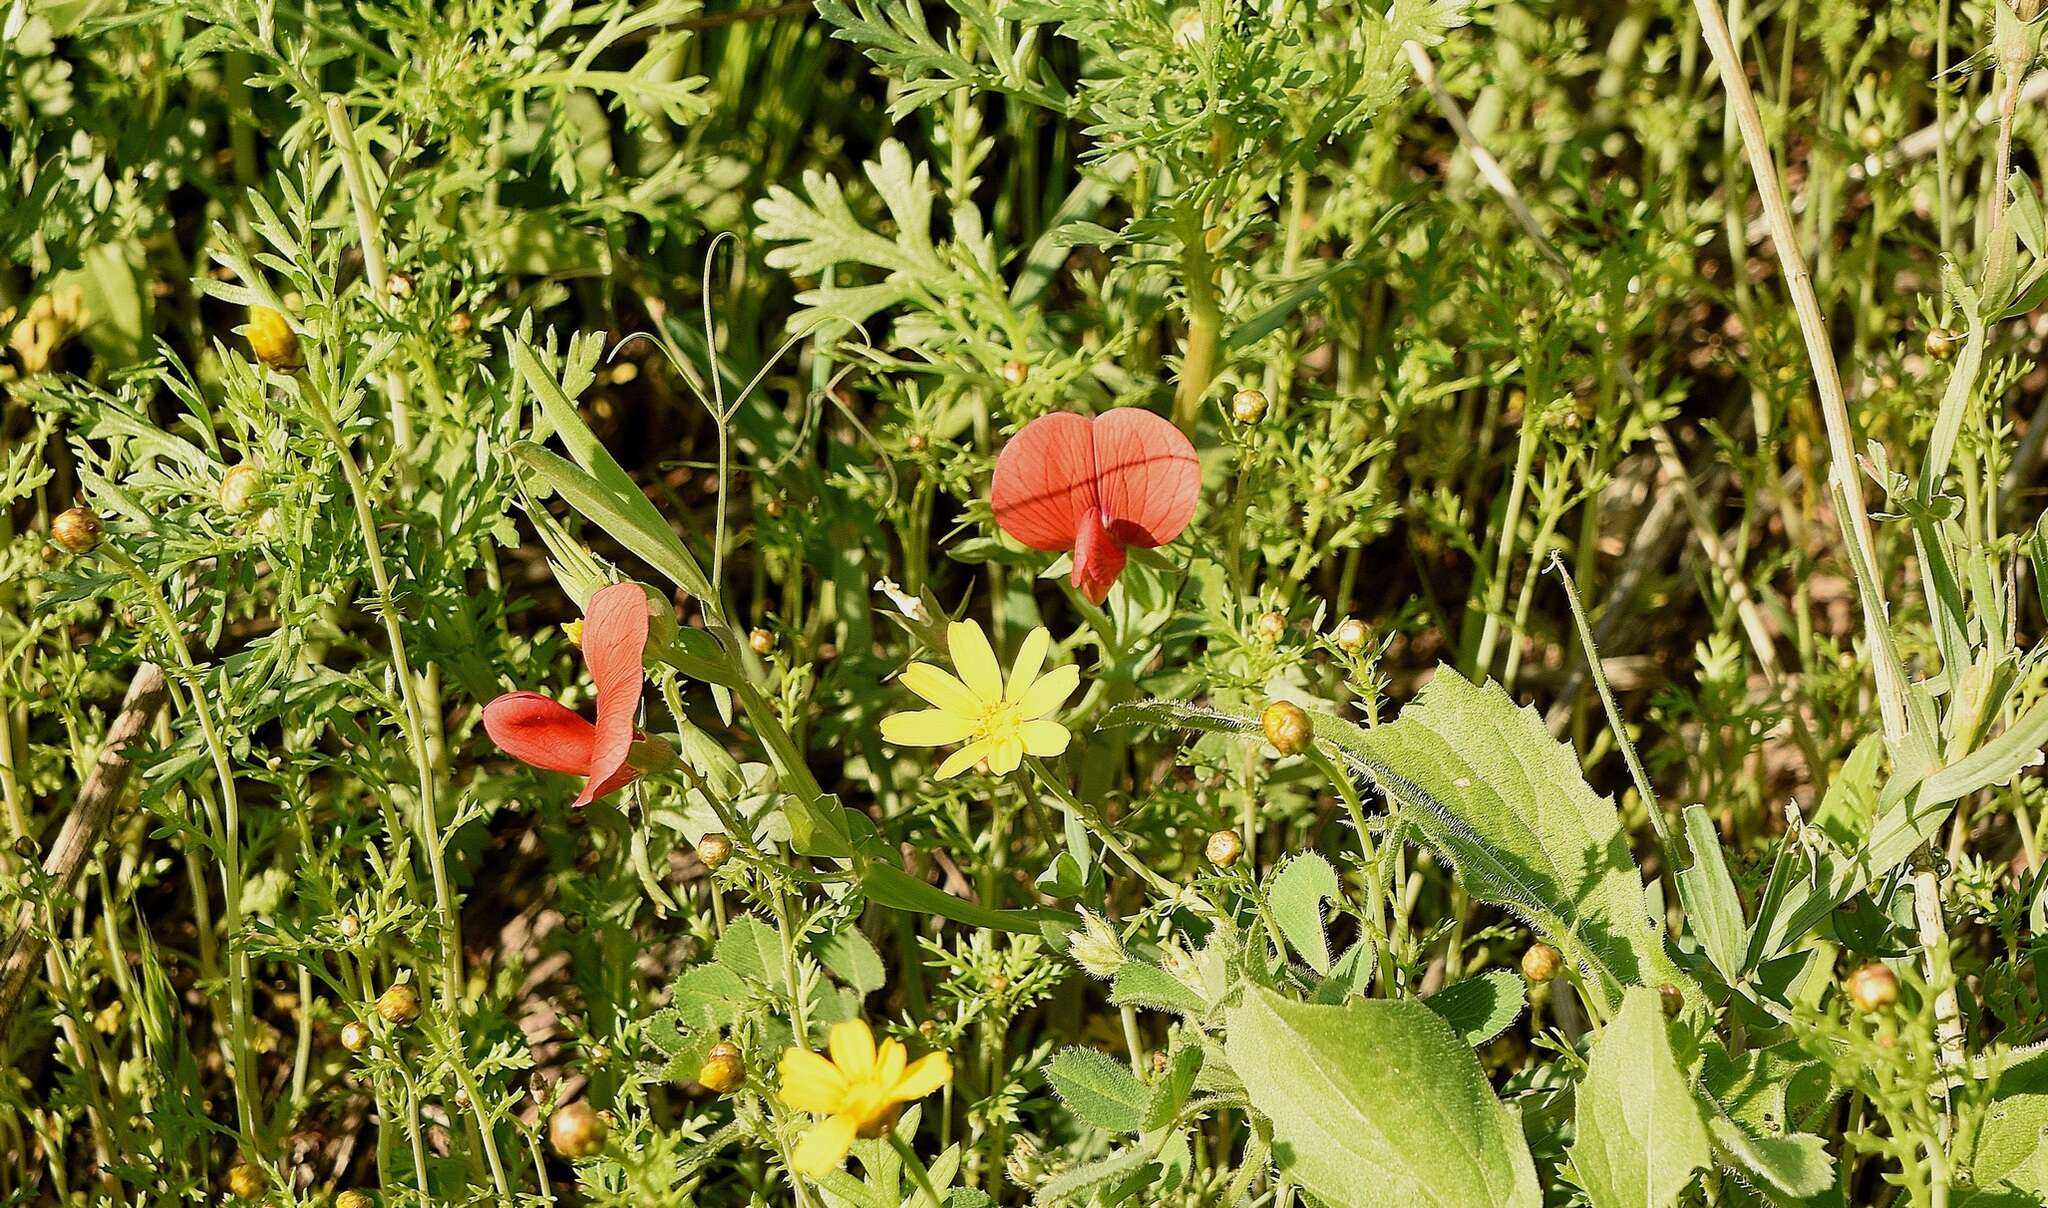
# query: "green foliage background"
801,270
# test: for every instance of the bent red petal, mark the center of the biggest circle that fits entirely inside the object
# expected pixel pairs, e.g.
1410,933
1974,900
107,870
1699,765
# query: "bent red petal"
1098,558
1147,477
1045,480
614,643
535,730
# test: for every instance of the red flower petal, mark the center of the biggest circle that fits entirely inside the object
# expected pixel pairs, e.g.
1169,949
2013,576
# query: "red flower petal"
614,642
1045,481
1146,476
1098,558
535,730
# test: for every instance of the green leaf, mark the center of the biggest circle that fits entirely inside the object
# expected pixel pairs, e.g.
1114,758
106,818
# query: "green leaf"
1170,1093
1351,975
1100,1089
706,997
1378,1102
1296,893
2011,1149
1713,910
852,958
751,950
1640,1136
1138,984
1797,1165
1064,1187
1480,1008
887,885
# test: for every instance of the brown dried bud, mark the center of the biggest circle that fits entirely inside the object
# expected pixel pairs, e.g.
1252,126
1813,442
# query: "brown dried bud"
76,530
399,1005
724,1071
1287,727
1248,406
714,849
1872,988
576,1130
1541,963
1224,848
1670,998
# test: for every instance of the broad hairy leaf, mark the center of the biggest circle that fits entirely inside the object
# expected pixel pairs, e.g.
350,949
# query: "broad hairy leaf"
1100,1089
1296,894
1488,788
1480,1008
1378,1101
1640,1136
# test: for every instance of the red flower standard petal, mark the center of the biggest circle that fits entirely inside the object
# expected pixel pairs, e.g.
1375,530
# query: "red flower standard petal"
614,643
1146,476
1127,477
535,730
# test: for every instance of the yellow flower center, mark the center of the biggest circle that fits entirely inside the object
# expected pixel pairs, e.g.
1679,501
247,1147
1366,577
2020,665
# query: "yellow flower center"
999,719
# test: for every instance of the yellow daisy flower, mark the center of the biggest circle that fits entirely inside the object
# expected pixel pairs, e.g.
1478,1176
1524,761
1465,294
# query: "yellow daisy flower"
1000,722
859,1091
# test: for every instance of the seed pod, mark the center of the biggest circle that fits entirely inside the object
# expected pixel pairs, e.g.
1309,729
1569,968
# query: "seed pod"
245,1181
761,640
1942,343
1541,963
1015,373
355,1199
1351,635
1273,626
238,488
355,1036
714,849
1248,406
1287,727
399,1005
76,530
273,341
1225,848
576,1130
1872,988
1669,997
724,1071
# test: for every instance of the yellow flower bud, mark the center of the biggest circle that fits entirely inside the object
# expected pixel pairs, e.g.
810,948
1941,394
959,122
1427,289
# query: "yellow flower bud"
245,1181
273,341
399,1005
723,1072
1248,406
1351,635
1872,988
76,530
1224,848
714,849
576,1130
1287,727
1541,963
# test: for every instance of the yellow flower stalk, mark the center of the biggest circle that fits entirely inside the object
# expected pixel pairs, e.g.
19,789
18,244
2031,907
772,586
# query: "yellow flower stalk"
1000,720
858,1091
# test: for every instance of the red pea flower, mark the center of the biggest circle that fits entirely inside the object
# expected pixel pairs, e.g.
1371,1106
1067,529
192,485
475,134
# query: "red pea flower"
1066,482
538,731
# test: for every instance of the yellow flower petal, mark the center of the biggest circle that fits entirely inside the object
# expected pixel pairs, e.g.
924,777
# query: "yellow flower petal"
889,1059
975,660
1044,738
810,1083
1006,754
961,760
853,1050
926,728
941,689
824,1147
1049,692
925,1075
1030,657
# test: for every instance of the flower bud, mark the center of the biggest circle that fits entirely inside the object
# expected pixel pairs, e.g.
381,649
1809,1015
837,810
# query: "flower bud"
774,506
1287,727
355,1199
714,849
1015,373
1248,406
238,488
350,926
723,1071
1096,946
1351,635
1273,626
399,286
461,323
1669,997
1225,848
1871,136
576,1130
273,341
76,530
246,1181
1942,343
1541,963
761,641
999,984
1872,988
399,1005
355,1036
